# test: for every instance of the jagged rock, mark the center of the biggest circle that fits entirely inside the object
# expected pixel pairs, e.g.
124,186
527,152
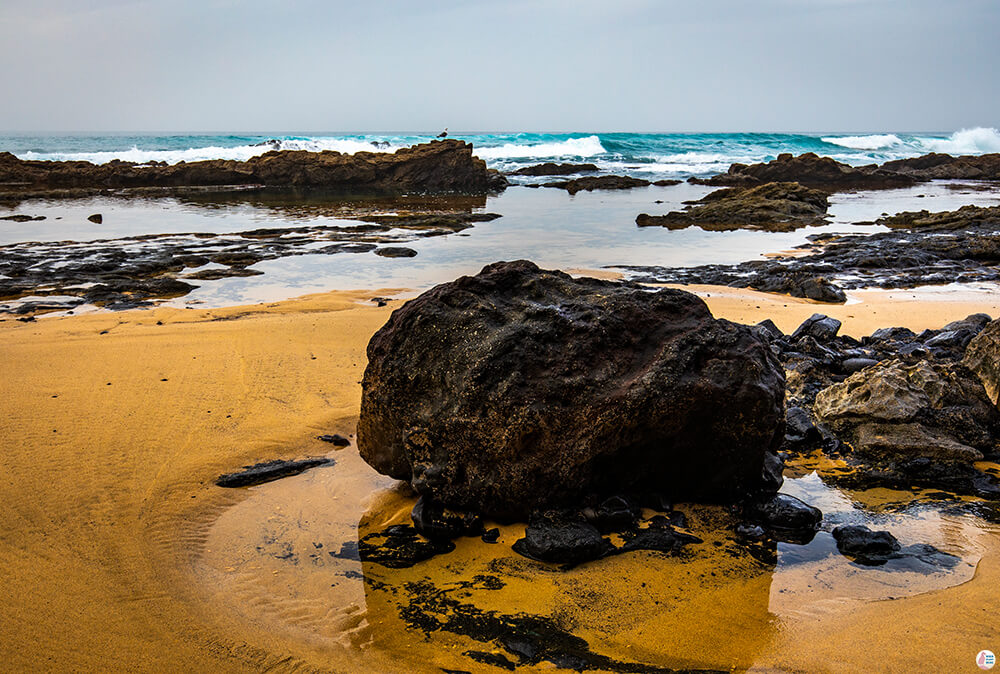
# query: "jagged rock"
553,169
521,389
774,207
599,183
446,165
983,357
818,326
799,428
894,411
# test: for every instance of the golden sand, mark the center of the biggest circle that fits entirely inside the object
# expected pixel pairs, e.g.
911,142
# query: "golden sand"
119,553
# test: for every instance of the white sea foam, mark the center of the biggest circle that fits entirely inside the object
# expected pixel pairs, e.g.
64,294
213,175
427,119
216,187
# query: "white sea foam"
572,147
967,141
873,142
238,153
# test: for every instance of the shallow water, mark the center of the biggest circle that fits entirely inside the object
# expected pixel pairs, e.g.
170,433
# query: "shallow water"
588,230
282,560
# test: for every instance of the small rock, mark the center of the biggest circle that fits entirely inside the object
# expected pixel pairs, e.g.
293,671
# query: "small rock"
617,513
819,327
96,218
553,537
491,535
852,365
335,440
786,514
859,541
395,251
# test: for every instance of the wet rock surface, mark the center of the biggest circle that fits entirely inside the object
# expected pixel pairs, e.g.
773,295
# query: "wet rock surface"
397,547
591,183
486,394
773,207
982,357
138,271
960,246
785,517
943,166
269,471
560,538
553,169
446,165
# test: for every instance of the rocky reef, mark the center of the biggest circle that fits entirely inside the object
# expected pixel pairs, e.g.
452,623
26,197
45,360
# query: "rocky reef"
773,207
438,166
922,249
553,169
811,170
520,390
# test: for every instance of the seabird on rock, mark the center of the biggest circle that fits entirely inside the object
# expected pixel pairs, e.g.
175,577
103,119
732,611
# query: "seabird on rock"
443,134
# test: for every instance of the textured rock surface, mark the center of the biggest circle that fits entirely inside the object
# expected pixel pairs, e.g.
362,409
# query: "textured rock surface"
446,165
519,389
936,166
599,183
896,411
983,357
774,207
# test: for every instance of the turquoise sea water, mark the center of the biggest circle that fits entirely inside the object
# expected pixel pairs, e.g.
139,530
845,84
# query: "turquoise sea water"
655,154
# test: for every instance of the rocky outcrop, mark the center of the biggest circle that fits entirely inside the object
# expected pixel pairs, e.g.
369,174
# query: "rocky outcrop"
438,166
896,411
521,389
553,169
811,170
773,207
983,357
944,166
964,218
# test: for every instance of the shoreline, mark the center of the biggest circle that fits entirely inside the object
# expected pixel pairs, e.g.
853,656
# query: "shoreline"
122,420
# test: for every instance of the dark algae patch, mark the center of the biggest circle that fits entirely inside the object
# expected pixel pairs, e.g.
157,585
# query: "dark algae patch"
268,472
397,547
528,639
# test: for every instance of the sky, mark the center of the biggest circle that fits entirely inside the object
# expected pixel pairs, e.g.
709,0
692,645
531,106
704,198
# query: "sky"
540,65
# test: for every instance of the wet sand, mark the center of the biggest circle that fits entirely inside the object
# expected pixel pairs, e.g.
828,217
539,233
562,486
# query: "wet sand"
120,554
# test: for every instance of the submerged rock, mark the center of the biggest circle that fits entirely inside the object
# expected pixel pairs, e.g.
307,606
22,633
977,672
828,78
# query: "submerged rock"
773,207
521,389
435,521
863,543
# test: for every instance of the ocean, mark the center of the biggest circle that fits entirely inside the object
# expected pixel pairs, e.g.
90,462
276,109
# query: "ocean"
659,155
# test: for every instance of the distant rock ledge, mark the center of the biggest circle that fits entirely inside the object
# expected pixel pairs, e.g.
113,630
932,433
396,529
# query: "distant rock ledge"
437,166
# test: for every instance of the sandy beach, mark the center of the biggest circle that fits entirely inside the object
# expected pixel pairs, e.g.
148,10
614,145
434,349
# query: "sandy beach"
121,554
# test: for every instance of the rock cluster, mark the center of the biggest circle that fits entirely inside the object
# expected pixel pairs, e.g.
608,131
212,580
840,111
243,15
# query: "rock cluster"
811,170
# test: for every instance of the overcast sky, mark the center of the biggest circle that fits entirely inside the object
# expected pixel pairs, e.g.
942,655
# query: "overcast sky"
538,65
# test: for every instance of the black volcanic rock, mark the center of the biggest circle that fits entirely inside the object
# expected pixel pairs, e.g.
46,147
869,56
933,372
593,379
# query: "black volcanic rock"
521,389
599,183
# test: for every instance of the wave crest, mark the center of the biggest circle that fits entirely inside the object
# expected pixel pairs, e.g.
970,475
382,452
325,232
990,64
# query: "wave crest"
572,147
979,140
873,142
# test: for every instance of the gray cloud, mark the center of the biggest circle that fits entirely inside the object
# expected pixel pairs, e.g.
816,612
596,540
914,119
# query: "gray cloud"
555,65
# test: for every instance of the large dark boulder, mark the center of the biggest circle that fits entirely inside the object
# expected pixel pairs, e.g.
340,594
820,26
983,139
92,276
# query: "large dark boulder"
520,389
